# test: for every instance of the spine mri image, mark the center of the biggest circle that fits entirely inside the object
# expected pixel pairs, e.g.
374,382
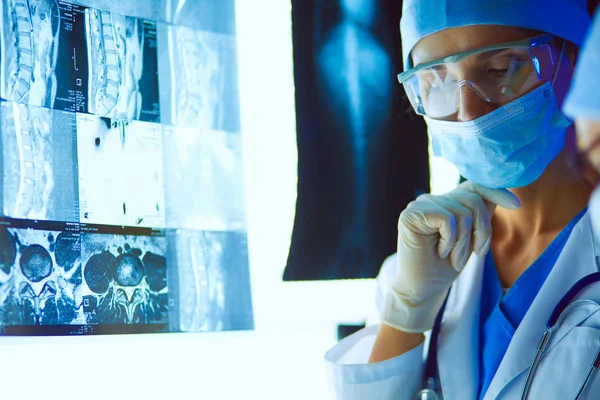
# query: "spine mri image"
68,57
122,208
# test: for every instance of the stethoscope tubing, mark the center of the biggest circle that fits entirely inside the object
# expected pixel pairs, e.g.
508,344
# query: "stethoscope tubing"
588,379
552,321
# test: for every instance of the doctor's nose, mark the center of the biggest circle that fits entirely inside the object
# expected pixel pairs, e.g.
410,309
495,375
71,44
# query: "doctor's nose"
470,105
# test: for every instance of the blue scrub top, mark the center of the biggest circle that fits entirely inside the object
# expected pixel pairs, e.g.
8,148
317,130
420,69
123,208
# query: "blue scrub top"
502,313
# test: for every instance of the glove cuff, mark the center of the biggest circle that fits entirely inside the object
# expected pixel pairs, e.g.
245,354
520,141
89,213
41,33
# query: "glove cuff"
406,316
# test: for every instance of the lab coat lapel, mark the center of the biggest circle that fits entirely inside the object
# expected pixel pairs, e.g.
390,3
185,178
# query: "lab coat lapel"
458,346
577,260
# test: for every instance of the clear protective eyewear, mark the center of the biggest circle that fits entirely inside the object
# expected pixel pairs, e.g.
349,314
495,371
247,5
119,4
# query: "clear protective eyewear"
497,74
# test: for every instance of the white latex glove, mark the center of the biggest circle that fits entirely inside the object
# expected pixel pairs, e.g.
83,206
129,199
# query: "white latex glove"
436,236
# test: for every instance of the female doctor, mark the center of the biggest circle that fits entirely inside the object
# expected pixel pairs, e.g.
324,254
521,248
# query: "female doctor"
492,270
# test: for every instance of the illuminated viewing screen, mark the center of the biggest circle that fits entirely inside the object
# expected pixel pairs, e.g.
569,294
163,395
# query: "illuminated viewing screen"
122,192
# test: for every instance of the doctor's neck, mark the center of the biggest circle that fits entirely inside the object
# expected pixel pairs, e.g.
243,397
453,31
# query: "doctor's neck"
549,203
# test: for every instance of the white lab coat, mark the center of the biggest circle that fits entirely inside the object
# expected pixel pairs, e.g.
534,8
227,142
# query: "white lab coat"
561,371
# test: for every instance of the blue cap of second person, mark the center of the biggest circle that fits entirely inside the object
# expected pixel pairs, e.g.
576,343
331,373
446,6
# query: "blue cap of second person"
567,19
583,100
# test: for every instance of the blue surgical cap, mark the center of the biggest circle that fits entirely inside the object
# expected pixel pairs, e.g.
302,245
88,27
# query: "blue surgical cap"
583,100
567,19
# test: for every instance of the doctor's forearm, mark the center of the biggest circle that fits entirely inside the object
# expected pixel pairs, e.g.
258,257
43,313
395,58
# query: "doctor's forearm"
392,343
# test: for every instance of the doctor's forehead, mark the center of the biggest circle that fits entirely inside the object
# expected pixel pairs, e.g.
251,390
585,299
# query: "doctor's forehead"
456,40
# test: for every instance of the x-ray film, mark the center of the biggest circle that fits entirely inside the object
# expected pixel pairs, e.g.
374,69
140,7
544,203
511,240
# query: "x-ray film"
212,280
120,172
203,179
74,58
199,81
39,168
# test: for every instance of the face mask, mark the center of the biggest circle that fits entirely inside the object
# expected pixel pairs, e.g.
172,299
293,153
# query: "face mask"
507,148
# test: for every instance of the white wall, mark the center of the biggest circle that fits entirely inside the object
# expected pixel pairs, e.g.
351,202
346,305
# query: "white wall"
295,322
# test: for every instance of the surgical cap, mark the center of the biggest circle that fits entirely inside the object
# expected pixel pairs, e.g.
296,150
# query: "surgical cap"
567,19
583,100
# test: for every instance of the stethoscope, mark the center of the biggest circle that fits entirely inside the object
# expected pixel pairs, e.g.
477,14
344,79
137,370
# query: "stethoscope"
431,370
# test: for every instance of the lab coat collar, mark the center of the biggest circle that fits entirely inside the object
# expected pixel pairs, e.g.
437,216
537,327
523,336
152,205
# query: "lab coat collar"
577,260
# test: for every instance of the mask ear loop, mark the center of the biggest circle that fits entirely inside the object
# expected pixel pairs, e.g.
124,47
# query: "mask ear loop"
560,58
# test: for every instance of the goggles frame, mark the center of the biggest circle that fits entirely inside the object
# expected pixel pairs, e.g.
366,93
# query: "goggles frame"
540,40
406,78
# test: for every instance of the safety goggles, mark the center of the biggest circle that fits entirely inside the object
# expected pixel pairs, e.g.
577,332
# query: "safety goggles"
497,74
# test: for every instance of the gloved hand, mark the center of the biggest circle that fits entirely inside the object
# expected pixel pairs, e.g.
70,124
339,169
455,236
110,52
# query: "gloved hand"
436,236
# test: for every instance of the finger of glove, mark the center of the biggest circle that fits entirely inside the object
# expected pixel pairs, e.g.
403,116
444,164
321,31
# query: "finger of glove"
463,216
500,197
426,219
482,216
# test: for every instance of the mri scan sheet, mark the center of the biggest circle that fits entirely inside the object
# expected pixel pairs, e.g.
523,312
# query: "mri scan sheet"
122,196
39,163
124,277
212,281
204,183
199,82
69,57
82,279
120,172
40,276
76,279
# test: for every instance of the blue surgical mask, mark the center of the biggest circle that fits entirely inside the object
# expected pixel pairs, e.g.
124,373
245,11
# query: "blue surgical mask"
507,148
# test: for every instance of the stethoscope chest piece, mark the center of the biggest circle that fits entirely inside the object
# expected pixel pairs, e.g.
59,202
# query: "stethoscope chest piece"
427,394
